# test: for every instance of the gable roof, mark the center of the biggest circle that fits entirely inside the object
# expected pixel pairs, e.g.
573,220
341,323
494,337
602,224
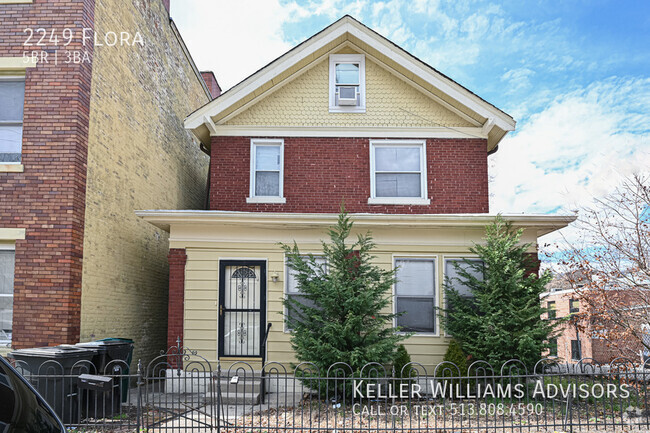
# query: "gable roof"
490,122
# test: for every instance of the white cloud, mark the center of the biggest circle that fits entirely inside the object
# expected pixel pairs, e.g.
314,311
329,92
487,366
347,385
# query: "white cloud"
577,148
517,79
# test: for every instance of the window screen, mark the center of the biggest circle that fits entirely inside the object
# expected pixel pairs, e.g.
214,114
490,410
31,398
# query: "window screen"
398,171
7,266
453,278
415,294
12,101
293,292
267,166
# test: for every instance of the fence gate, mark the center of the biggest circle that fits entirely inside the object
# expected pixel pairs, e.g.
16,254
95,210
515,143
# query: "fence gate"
176,393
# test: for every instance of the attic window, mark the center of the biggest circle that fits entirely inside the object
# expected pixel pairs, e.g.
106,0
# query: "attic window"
347,83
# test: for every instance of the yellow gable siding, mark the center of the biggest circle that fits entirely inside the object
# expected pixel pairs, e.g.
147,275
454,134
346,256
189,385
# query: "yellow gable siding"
390,102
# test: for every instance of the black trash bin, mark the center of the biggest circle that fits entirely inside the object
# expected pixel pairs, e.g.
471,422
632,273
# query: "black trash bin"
55,381
113,349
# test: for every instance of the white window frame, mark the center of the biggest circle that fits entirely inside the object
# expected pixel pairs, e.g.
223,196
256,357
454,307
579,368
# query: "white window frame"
445,259
359,59
252,198
436,293
423,200
319,255
9,247
15,122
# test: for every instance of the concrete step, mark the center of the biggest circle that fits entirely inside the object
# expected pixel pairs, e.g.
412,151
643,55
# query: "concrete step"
246,390
235,398
248,385
247,398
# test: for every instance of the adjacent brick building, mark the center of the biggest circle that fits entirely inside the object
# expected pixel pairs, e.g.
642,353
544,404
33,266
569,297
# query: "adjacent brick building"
347,117
94,133
577,338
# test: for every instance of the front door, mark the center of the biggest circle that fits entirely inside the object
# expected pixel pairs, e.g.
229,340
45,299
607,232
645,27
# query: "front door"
242,307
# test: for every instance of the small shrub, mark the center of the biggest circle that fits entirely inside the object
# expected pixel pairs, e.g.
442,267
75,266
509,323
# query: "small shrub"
402,358
456,356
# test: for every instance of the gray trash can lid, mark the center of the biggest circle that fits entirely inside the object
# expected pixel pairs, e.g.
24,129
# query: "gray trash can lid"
63,351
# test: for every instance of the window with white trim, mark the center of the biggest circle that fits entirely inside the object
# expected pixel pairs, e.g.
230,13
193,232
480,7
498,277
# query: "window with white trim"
293,291
7,267
12,101
347,83
267,171
415,294
456,281
398,172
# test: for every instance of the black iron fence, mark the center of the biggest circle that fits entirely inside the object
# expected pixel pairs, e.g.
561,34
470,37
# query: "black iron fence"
181,391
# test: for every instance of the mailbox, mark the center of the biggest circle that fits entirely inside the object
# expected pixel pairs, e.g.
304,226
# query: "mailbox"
95,383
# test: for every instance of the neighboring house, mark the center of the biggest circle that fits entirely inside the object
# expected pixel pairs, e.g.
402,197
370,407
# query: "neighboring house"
83,145
584,335
346,116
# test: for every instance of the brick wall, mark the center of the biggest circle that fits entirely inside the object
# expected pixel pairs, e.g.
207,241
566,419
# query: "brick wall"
139,157
211,82
177,259
567,330
319,173
48,198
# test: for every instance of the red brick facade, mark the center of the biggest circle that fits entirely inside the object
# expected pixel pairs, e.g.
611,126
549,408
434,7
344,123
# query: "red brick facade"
177,259
48,198
320,173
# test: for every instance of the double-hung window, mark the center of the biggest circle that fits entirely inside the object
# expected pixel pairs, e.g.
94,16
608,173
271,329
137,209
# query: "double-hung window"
474,267
347,83
415,294
12,101
398,172
267,171
293,291
7,265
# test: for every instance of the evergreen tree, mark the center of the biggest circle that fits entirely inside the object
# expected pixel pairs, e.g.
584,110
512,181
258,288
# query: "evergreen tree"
502,320
341,317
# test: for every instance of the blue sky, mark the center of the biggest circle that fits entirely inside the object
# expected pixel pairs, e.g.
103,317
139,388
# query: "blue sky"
574,74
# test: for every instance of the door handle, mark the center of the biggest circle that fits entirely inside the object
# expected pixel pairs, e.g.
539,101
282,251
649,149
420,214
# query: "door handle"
221,310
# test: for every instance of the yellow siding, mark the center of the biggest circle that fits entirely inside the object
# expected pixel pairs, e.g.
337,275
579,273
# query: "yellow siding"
390,102
205,246
139,157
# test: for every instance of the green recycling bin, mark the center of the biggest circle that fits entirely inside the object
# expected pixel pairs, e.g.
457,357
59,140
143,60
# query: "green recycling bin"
111,349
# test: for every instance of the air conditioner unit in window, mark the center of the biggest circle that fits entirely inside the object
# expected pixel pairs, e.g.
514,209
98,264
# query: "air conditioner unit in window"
347,95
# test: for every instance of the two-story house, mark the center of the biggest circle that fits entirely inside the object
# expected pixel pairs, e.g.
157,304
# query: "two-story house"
346,116
88,134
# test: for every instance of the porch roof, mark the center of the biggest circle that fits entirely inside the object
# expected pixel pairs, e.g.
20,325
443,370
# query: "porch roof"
164,219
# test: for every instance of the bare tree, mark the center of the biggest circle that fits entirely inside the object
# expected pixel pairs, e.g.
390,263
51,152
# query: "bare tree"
611,262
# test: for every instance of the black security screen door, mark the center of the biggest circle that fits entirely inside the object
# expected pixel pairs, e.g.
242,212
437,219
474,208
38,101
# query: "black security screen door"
242,307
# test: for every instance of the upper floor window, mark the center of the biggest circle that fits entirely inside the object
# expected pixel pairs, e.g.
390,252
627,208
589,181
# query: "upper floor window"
398,172
347,83
574,306
551,309
415,294
7,264
12,100
267,171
